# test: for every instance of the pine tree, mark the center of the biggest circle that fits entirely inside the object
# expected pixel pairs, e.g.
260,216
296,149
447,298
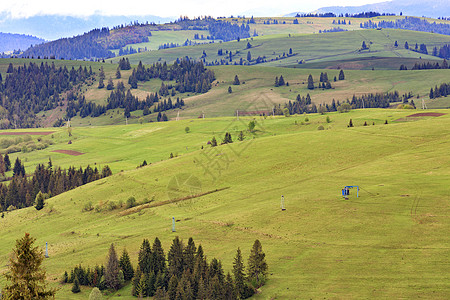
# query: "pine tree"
350,123
26,276
110,85
341,75
172,287
276,81
281,81
158,258
118,74
189,255
39,202
236,80
230,90
310,82
7,162
76,286
257,266
213,142
145,257
249,56
175,258
126,266
406,45
112,270
239,274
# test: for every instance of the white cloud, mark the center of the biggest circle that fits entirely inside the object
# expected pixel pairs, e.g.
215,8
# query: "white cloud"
27,8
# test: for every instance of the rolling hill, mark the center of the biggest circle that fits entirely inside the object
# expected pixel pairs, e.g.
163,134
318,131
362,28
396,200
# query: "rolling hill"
391,242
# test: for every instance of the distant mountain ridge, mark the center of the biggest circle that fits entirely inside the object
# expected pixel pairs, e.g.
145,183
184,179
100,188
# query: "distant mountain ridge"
419,8
11,41
52,27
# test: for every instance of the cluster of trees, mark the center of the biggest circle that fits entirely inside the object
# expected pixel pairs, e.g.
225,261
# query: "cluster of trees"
127,51
324,82
334,29
124,64
84,46
280,81
442,91
410,23
426,66
22,191
184,274
369,14
443,52
189,75
301,105
378,100
218,29
343,22
32,88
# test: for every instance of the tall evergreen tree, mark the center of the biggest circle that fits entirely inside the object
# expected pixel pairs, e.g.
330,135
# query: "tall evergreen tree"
310,82
158,258
112,270
281,81
145,257
239,274
249,56
26,276
175,258
126,266
189,255
341,75
7,162
118,74
257,266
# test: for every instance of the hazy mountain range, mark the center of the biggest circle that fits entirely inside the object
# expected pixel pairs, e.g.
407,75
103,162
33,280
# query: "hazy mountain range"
419,8
52,27
9,41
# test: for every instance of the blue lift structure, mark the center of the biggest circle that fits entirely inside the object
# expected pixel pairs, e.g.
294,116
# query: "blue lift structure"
346,191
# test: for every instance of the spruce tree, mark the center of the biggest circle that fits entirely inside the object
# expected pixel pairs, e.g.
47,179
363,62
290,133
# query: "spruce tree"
230,90
310,82
350,123
118,74
239,274
241,136
172,287
145,257
26,275
257,266
249,56
101,84
175,258
276,81
76,286
7,162
158,258
341,75
236,80
126,266
110,85
281,81
39,202
189,255
112,270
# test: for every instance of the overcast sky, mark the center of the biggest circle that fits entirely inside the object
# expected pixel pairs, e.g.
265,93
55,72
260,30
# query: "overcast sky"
167,8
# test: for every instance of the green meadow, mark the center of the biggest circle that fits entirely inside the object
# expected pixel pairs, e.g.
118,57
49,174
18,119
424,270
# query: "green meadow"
390,242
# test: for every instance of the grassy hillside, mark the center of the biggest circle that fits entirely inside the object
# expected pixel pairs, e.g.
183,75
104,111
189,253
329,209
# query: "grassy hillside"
391,242
311,48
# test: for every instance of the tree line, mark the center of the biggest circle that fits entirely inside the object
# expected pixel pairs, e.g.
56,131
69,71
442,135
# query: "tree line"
49,181
32,88
410,23
184,273
442,91
218,29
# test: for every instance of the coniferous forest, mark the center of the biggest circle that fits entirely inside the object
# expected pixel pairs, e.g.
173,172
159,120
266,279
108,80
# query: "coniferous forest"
46,181
29,89
184,273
